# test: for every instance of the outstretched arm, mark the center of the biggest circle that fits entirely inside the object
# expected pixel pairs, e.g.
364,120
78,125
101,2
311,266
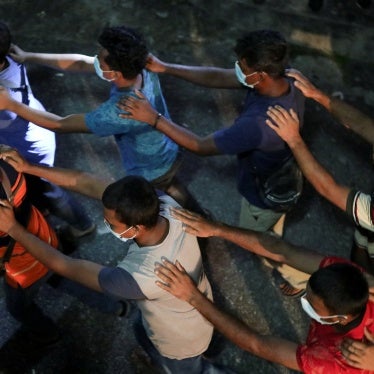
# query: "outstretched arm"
75,180
262,244
202,75
81,271
66,61
72,123
140,109
176,281
346,114
286,125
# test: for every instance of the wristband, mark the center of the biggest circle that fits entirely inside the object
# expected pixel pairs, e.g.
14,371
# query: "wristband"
159,115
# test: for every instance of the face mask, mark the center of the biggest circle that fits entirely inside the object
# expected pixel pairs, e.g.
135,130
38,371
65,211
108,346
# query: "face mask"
118,236
241,77
308,309
99,72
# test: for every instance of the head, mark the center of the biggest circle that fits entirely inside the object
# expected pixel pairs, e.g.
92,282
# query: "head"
5,40
339,291
263,51
129,203
123,50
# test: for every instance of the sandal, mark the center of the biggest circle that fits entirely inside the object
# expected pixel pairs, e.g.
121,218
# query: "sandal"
290,291
285,287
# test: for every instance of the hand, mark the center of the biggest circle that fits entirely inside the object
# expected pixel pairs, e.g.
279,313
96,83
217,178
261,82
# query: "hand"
359,355
17,54
285,124
7,219
193,223
13,158
154,64
139,108
303,84
175,280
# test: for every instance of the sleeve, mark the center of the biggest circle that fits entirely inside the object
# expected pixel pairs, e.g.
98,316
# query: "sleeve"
243,136
361,208
119,283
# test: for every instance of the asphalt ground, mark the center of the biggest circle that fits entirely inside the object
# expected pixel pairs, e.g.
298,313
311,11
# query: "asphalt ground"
333,47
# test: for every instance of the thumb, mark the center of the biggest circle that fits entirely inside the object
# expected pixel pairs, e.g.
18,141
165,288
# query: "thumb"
139,94
369,336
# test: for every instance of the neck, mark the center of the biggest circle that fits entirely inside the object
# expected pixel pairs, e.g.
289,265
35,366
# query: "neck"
135,83
274,87
3,64
154,235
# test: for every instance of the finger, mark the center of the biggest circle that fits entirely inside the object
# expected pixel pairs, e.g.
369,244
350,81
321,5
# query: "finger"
5,204
139,94
180,267
164,286
271,125
294,115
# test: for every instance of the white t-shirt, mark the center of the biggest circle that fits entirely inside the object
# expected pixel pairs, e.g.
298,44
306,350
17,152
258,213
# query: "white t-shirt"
176,328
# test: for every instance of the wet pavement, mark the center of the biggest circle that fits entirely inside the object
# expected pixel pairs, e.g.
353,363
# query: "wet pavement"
334,47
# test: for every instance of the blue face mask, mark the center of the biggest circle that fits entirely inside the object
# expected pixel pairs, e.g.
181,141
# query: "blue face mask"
242,77
99,71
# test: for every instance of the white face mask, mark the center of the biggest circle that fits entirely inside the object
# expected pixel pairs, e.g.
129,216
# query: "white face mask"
241,76
99,71
308,309
119,236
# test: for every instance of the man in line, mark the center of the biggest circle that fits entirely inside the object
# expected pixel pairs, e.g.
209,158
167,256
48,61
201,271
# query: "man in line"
260,70
35,143
336,300
357,204
121,60
132,210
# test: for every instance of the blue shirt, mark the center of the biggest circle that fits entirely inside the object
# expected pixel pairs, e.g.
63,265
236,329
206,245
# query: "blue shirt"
144,150
258,148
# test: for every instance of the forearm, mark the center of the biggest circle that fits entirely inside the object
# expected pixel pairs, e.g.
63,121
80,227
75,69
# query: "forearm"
318,176
357,121
186,138
81,271
47,120
204,76
267,347
75,180
272,247
67,62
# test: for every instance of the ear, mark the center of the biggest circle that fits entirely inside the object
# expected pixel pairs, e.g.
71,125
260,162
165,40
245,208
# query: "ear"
344,321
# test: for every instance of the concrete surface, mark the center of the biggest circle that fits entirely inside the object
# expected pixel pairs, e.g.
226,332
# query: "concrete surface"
333,47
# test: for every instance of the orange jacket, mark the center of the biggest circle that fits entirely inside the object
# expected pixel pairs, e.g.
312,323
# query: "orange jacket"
23,268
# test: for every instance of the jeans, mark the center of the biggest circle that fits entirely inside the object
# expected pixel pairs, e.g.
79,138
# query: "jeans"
45,195
191,365
20,304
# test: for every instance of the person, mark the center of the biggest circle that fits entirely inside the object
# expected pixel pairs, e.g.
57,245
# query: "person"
262,60
36,144
23,273
357,204
132,210
333,280
121,61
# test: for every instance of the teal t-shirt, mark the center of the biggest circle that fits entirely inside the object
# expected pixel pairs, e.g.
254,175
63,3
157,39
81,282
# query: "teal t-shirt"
144,150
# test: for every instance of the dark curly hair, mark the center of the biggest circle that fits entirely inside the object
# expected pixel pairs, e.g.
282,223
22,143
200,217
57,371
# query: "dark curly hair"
264,50
5,40
127,50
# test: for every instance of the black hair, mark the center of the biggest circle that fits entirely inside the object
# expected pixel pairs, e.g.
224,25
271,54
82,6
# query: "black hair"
342,287
5,40
264,50
134,201
127,50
